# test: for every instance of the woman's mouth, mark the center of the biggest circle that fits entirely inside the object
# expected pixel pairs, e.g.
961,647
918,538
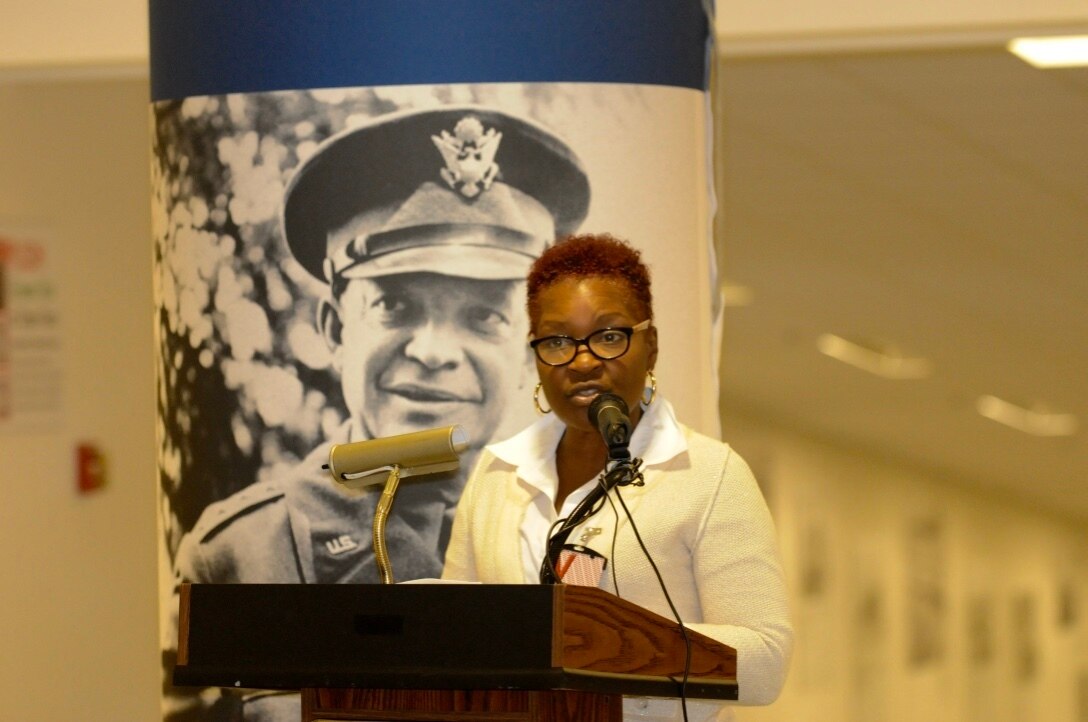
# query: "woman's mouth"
584,395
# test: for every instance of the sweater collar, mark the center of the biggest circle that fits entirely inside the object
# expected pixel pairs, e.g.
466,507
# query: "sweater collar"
657,439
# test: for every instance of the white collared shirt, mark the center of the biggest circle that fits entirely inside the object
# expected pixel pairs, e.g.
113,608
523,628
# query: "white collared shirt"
657,439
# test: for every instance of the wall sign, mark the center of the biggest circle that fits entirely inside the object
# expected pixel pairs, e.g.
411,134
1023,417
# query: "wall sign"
30,338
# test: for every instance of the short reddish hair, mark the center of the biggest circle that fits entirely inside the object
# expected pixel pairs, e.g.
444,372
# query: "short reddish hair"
590,256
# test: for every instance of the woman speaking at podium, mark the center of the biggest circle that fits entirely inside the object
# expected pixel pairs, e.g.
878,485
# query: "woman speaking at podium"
689,503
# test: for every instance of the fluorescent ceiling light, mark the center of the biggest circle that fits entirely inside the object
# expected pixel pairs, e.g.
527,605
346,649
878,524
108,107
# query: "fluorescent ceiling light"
1066,51
884,361
1037,422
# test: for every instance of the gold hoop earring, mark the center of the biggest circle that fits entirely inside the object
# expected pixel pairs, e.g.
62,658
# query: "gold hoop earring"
653,390
536,401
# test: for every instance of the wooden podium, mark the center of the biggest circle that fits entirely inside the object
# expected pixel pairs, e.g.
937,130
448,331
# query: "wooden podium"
443,652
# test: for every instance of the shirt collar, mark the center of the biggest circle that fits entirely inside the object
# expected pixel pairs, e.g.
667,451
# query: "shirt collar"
657,439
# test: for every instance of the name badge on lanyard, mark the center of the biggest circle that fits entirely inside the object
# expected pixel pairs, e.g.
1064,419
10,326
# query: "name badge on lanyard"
580,566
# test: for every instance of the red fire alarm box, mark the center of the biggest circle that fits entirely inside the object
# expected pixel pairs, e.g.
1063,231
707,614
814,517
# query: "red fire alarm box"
90,468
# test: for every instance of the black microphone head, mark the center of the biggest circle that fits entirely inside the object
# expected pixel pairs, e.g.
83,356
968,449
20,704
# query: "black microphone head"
605,400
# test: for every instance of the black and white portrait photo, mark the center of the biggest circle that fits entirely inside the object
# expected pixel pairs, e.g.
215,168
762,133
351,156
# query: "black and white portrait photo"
347,264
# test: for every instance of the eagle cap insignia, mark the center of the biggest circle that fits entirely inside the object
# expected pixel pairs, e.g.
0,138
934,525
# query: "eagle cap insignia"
469,153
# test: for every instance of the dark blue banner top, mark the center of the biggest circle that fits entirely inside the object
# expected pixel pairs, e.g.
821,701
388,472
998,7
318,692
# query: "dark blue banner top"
208,47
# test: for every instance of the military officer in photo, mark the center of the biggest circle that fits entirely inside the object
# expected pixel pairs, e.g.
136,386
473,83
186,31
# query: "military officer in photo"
422,225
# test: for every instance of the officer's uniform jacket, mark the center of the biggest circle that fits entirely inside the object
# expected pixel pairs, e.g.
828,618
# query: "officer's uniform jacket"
305,528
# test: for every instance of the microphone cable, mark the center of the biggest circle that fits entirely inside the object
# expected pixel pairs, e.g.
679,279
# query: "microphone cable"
561,529
664,590
624,472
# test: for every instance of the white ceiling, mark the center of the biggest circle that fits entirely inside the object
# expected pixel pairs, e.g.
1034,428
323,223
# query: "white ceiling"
937,200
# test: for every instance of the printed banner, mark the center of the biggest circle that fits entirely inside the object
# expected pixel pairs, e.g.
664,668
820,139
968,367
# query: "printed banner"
342,259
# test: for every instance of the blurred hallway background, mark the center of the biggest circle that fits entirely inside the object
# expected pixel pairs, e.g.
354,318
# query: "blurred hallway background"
902,238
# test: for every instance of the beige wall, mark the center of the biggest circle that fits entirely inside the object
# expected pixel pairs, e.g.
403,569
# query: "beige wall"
803,18
78,601
850,516
73,32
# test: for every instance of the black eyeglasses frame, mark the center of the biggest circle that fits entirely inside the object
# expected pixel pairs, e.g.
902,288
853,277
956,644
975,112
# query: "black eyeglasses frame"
628,331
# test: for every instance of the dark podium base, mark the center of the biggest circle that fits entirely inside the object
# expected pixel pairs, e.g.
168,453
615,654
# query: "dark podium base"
443,652
445,705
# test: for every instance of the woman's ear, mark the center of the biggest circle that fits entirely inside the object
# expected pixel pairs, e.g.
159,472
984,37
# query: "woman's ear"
651,342
329,323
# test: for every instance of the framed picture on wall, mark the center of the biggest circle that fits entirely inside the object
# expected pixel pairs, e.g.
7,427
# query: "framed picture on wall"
1082,696
1067,611
869,672
1025,638
927,596
980,630
813,559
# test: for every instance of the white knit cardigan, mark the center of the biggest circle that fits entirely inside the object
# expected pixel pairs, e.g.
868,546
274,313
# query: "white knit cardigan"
705,524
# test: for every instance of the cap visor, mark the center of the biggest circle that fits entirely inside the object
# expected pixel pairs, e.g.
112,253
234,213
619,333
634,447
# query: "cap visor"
462,261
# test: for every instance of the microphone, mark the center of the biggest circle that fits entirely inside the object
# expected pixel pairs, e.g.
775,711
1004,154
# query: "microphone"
365,463
608,413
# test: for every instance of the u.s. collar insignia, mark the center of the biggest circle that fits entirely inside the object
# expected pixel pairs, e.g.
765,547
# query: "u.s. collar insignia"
470,156
341,544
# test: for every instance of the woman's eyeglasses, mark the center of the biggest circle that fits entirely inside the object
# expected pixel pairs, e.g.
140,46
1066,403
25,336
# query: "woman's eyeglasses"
606,344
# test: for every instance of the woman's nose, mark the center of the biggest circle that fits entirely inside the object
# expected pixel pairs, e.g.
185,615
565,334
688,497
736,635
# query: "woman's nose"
435,345
584,360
